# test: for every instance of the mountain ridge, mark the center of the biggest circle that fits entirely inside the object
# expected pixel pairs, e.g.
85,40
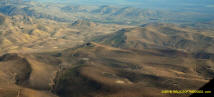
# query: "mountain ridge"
159,36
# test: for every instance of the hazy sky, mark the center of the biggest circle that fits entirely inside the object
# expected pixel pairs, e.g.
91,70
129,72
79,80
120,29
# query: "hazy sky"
128,2
170,4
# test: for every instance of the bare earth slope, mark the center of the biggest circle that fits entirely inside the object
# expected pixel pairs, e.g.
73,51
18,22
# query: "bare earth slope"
159,35
28,34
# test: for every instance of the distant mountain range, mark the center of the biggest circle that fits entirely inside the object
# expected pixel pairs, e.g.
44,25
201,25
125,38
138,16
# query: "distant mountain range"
202,5
106,13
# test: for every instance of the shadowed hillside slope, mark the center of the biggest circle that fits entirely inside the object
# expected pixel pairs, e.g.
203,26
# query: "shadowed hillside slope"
17,76
2,19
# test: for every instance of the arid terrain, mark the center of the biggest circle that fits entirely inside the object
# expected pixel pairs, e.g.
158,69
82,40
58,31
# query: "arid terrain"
60,50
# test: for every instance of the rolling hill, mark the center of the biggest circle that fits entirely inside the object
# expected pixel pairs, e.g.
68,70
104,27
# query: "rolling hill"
160,35
18,75
30,34
96,70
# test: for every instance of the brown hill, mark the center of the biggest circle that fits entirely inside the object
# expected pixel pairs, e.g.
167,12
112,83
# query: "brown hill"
24,33
95,70
18,75
159,35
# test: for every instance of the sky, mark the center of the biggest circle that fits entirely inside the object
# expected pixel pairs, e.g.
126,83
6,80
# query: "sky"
139,3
